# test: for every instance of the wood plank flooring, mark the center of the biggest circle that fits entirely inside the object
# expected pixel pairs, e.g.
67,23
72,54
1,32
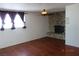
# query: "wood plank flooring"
40,47
71,51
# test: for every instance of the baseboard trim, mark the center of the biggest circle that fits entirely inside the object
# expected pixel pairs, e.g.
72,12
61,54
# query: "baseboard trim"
72,46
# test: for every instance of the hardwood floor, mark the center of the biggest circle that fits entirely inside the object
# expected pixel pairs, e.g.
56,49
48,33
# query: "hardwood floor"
71,51
40,47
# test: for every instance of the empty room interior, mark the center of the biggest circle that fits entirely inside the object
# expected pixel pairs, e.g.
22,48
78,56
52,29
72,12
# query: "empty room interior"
39,29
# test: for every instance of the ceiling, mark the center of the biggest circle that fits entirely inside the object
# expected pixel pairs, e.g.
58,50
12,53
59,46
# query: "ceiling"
34,7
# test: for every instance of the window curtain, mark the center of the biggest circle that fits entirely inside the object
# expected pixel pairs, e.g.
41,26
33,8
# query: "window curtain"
21,14
12,16
2,14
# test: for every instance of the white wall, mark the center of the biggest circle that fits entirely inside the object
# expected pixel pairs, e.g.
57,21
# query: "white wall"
72,25
37,27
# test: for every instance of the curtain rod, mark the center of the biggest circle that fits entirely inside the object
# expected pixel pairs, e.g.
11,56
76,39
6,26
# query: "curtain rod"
12,11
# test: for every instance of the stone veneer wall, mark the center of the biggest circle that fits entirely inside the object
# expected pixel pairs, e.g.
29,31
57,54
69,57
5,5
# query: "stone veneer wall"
56,18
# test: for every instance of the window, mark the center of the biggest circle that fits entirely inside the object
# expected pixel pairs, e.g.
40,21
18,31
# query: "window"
7,22
18,22
11,20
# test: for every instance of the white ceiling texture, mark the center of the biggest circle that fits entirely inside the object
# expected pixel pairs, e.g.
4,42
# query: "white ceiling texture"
34,7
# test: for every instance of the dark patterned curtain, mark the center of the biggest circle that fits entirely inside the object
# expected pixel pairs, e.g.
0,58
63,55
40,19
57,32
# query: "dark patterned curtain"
12,15
2,14
21,14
